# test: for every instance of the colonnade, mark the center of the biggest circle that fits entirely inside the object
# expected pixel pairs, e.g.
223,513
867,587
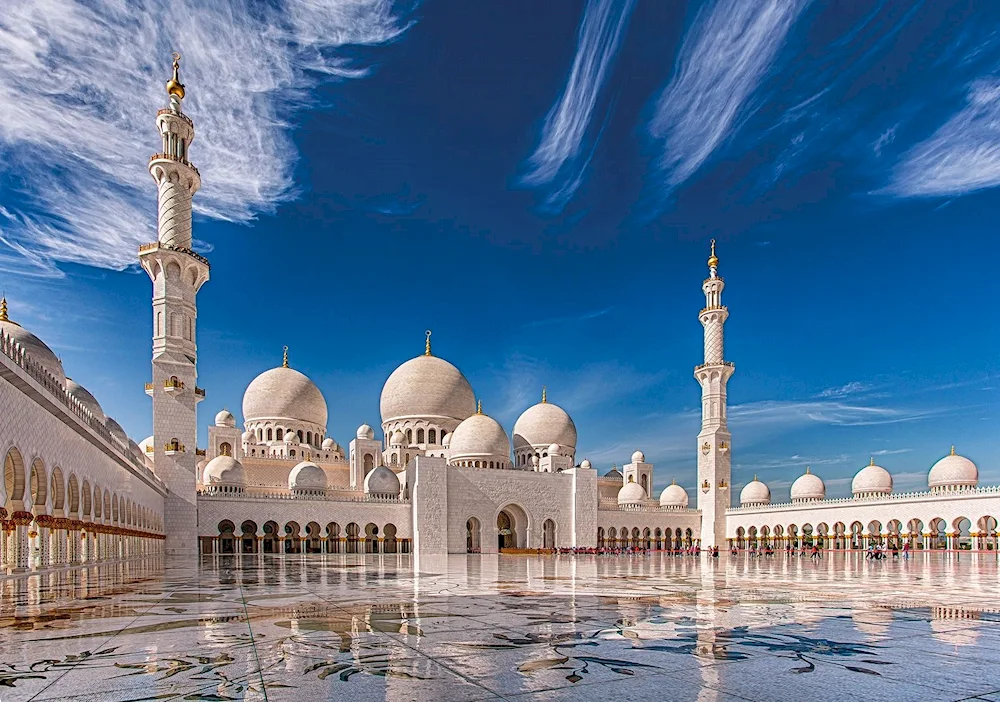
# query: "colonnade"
31,542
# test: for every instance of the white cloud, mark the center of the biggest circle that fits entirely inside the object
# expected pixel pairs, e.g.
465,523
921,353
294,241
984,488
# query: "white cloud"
962,156
559,158
852,388
80,83
723,59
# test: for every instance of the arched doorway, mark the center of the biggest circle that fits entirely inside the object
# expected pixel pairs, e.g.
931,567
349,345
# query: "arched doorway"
314,541
249,533
269,544
512,527
226,539
292,541
549,534
473,536
389,538
371,538
353,530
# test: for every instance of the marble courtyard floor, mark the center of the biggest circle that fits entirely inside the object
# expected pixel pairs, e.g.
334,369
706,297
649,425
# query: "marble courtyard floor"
358,628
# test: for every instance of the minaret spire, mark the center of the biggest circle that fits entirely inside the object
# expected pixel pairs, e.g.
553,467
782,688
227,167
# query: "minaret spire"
284,357
427,343
714,440
545,395
3,309
177,273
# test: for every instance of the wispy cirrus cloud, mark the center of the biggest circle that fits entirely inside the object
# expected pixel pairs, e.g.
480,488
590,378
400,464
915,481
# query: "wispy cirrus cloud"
80,83
852,388
725,56
561,157
962,156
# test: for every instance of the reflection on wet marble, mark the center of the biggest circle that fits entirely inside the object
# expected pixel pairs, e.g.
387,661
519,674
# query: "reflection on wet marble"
509,627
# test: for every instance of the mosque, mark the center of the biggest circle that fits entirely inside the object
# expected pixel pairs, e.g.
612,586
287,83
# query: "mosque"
444,478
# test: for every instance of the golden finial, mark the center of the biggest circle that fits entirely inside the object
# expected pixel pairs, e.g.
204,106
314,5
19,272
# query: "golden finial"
479,407
807,470
427,343
872,461
755,477
713,260
673,481
284,360
174,85
3,310
3,315
545,395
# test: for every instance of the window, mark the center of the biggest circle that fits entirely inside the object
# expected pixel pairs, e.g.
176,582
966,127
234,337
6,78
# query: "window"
281,433
420,436
309,437
301,439
270,434
432,437
409,437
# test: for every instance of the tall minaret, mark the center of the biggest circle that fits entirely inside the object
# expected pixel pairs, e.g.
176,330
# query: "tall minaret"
714,441
177,273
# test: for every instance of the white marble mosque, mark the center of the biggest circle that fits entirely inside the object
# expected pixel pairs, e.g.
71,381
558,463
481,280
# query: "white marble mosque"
444,478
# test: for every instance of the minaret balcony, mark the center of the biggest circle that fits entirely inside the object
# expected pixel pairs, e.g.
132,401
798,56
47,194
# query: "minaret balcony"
173,448
158,246
149,389
175,159
173,386
728,364
199,394
175,113
199,452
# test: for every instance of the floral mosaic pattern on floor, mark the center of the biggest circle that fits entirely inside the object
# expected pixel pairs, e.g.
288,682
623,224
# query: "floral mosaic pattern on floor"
509,627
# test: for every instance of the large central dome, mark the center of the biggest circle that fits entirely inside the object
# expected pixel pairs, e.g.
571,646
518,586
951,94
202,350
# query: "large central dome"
427,387
284,393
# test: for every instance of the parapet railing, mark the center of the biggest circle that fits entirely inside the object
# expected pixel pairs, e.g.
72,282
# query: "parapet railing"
155,245
252,494
610,504
17,353
178,159
924,494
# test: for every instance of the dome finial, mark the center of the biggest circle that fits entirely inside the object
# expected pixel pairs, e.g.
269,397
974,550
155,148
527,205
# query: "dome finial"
427,343
479,407
713,260
4,318
284,359
3,315
807,470
174,86
545,395
872,461
755,477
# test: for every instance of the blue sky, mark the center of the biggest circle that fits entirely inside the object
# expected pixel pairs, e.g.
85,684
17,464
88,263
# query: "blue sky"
538,184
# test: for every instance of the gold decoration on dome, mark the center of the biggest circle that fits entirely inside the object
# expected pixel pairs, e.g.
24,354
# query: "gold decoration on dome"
807,470
427,343
872,461
174,85
479,407
4,313
284,358
545,395
3,310
713,260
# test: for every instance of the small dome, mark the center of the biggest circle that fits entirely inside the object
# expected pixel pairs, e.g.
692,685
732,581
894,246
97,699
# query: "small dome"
553,449
674,495
225,418
365,432
808,487
34,347
249,437
85,399
953,471
755,493
871,480
307,476
284,393
398,438
544,424
638,457
329,444
534,460
116,430
631,494
446,440
585,463
427,387
614,473
136,450
147,446
292,437
224,470
381,481
480,437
